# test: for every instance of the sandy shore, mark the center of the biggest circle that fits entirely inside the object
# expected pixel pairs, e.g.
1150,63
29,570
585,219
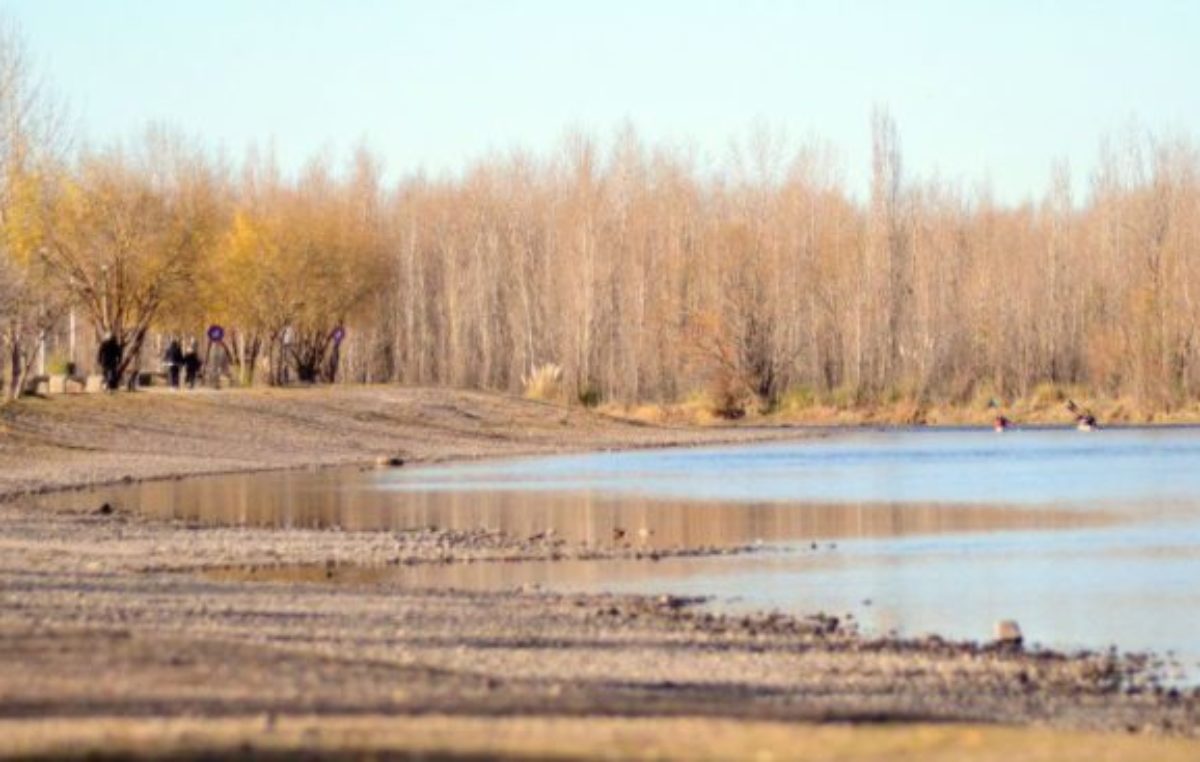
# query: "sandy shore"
114,627
77,440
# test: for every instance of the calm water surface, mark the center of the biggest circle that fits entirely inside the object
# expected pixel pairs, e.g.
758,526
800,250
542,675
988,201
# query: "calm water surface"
1087,539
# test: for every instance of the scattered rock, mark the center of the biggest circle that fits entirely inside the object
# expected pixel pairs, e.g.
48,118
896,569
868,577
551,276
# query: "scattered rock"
389,461
105,509
677,602
823,623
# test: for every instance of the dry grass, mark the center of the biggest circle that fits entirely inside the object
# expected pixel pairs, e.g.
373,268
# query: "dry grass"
696,410
567,738
1045,405
545,383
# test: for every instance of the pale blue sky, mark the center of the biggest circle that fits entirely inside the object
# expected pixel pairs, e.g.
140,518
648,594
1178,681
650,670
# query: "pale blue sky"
980,90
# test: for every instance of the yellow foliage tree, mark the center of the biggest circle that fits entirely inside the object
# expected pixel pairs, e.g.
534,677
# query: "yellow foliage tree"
296,264
125,241
245,266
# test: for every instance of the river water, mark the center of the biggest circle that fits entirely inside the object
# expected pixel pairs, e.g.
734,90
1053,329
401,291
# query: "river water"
1087,539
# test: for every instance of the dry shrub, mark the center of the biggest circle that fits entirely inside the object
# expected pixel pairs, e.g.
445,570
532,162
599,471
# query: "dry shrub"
727,395
544,382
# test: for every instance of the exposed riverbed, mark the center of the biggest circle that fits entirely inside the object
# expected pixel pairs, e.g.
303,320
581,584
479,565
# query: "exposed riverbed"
1089,540
117,618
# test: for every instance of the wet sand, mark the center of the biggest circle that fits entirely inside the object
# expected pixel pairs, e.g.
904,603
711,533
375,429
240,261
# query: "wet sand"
116,626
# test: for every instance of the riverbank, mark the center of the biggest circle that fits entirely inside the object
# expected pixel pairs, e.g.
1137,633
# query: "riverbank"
189,637
81,440
1046,406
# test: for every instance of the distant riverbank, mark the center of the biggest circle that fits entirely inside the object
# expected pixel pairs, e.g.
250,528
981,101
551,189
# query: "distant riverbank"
1044,407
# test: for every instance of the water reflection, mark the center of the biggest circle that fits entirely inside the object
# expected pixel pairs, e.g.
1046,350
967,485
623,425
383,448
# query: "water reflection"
354,500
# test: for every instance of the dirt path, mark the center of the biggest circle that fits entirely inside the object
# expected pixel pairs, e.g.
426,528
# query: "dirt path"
111,625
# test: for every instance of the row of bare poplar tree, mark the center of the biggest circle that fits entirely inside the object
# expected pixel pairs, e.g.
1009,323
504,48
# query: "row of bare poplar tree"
648,278
644,274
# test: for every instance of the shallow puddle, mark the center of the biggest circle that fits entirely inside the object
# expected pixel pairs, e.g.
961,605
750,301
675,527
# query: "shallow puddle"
1088,540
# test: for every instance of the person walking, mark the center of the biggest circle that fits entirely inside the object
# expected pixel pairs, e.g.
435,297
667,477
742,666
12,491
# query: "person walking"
109,358
173,359
191,364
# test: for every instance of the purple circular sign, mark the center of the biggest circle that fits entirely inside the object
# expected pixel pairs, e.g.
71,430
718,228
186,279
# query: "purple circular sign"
338,334
216,333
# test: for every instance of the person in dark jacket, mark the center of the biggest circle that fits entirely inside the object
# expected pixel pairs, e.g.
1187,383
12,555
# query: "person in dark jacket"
109,358
191,364
173,359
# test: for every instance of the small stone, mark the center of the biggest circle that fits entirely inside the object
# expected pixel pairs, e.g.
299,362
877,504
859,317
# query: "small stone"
674,602
389,461
105,509
1008,633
